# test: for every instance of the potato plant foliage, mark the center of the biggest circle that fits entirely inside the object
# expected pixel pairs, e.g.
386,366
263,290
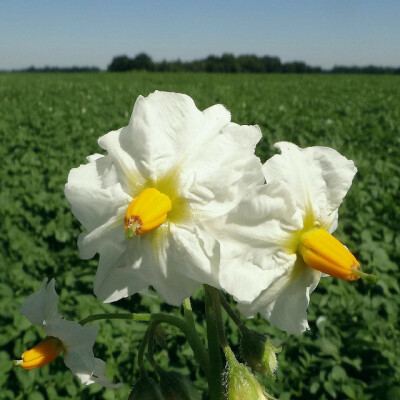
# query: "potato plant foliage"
49,123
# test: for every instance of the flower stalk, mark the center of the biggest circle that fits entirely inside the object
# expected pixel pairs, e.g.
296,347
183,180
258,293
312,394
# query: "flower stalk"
216,368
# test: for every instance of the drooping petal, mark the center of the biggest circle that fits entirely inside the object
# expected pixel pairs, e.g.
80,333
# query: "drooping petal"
318,177
253,238
78,343
41,306
284,303
99,377
72,334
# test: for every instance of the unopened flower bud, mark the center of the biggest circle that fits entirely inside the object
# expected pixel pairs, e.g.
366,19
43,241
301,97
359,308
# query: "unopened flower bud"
241,384
175,386
145,389
259,353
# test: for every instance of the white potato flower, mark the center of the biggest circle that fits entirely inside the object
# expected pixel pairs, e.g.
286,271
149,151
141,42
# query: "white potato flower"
73,341
147,205
281,240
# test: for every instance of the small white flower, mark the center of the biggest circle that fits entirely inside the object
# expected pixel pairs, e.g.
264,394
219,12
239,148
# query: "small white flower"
147,204
281,240
74,341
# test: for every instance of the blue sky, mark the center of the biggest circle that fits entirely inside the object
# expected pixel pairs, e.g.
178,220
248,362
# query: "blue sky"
91,32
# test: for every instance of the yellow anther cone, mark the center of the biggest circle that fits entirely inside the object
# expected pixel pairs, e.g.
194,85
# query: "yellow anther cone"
147,212
321,251
41,354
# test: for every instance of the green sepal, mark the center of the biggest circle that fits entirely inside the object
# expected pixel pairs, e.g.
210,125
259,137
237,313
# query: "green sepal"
259,353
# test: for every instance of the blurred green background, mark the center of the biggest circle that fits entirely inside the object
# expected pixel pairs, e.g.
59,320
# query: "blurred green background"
50,123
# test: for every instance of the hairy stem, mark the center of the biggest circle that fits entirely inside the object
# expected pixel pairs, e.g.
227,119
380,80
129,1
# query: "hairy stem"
230,312
216,367
218,317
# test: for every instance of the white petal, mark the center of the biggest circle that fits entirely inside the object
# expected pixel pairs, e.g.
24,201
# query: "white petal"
318,177
165,128
95,194
112,231
174,265
194,252
99,377
123,161
94,208
254,237
42,305
78,342
331,223
175,288
224,171
91,174
81,363
94,157
247,136
245,275
284,303
72,334
117,275
170,269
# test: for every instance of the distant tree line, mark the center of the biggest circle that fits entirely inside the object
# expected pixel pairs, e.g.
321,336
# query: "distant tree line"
369,69
59,69
224,63
232,64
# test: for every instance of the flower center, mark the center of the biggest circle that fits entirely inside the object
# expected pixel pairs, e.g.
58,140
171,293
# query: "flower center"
321,251
146,212
41,354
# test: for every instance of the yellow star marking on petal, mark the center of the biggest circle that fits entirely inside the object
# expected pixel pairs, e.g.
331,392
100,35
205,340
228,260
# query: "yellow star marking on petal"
41,354
321,251
146,212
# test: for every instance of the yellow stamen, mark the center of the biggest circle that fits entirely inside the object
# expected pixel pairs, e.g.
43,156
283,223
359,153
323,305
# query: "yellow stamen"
321,251
146,212
41,354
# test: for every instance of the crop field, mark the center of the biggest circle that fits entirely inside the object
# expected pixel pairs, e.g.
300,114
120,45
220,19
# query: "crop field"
50,123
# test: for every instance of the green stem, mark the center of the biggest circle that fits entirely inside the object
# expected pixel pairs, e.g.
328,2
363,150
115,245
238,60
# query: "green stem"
195,342
231,313
216,367
218,317
150,346
370,278
132,317
142,348
189,331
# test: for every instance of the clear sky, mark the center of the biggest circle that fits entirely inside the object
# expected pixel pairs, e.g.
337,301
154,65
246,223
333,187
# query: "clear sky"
92,32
